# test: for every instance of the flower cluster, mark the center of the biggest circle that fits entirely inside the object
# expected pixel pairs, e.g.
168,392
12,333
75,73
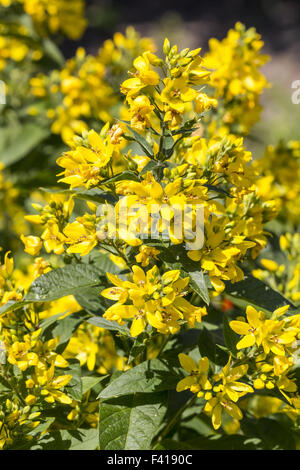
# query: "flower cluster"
15,422
284,277
86,89
274,344
193,170
33,373
236,80
15,49
74,94
271,354
53,16
158,210
152,298
280,174
221,391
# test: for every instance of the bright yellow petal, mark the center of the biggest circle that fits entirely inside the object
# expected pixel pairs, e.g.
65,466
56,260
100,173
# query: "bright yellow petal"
217,416
241,328
246,342
138,326
252,316
187,362
185,383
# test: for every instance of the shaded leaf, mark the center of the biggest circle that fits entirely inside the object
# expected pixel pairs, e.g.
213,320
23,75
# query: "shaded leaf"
150,376
252,291
130,422
69,280
22,141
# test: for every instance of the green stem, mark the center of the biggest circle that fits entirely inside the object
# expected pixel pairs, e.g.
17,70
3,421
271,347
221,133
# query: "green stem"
176,418
166,339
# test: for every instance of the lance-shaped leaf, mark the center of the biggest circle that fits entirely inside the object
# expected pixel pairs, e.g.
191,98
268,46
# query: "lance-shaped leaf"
198,284
10,306
62,327
22,141
252,291
150,376
108,325
125,175
130,422
76,439
141,141
69,280
230,337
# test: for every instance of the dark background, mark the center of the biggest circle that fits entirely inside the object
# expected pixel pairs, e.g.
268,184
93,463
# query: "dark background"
191,23
277,20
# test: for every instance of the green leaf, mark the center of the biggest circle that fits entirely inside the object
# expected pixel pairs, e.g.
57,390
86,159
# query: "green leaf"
89,382
94,194
22,141
10,306
217,189
125,175
53,327
53,51
168,146
209,348
150,376
274,433
108,325
170,444
223,442
141,141
230,337
42,427
74,387
130,422
79,439
198,284
206,345
151,166
252,291
138,347
105,263
90,300
69,280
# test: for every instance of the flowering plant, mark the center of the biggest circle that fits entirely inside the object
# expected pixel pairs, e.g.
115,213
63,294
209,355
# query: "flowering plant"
142,291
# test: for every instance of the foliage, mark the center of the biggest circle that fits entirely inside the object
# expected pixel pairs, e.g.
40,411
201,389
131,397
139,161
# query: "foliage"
112,335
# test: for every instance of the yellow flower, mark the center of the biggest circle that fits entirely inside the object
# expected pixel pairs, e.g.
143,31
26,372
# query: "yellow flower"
143,76
53,239
176,93
228,393
32,244
251,330
146,253
236,79
140,112
155,299
20,354
50,386
82,166
272,334
197,381
81,237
